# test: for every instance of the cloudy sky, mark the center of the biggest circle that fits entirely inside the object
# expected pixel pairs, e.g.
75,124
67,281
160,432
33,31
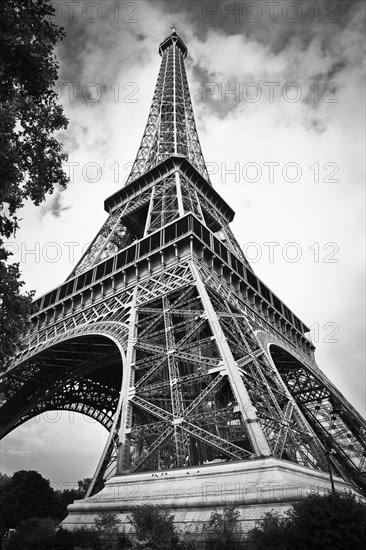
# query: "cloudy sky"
278,94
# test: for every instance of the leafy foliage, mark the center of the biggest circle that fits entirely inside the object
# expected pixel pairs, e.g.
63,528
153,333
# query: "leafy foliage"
154,528
66,497
15,308
81,537
83,485
106,525
274,532
44,534
224,529
30,155
4,478
35,534
26,495
319,522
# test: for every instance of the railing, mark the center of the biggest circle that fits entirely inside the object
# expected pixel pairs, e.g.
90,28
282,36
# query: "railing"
143,249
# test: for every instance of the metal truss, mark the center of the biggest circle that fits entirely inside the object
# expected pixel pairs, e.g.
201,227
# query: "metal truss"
81,374
323,416
182,354
106,243
287,436
150,211
170,126
195,202
257,322
163,205
341,430
175,351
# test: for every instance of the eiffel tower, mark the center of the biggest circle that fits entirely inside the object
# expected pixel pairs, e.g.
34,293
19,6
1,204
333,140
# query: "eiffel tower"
205,380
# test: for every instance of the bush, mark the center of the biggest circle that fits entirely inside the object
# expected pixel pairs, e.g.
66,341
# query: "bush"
36,534
319,522
106,526
223,530
83,537
154,528
273,532
43,534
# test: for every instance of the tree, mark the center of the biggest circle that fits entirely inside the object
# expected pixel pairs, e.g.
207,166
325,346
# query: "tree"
224,529
15,308
83,485
44,534
26,496
66,497
154,528
106,525
30,155
4,478
274,531
319,522
35,534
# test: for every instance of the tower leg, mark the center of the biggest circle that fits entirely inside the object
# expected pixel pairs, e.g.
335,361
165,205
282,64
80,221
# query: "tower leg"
248,411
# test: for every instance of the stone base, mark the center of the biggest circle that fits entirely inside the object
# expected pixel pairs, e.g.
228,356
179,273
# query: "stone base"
191,494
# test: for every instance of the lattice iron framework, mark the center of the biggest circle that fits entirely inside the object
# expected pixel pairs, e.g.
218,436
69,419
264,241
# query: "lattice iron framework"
164,334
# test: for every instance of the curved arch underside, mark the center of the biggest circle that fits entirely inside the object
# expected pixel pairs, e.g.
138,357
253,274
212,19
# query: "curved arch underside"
340,429
82,374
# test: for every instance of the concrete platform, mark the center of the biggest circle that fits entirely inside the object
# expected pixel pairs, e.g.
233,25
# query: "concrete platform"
191,494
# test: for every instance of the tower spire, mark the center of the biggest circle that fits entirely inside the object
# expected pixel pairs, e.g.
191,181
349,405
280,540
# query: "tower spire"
170,128
170,140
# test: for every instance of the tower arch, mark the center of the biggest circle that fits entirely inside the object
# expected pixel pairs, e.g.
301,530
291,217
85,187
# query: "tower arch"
336,424
81,372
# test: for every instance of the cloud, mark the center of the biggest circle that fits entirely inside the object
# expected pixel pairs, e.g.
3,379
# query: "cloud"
236,69
54,205
47,442
274,26
26,440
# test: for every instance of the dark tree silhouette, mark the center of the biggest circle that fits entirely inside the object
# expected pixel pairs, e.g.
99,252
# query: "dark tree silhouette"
26,495
30,155
43,534
319,522
83,485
